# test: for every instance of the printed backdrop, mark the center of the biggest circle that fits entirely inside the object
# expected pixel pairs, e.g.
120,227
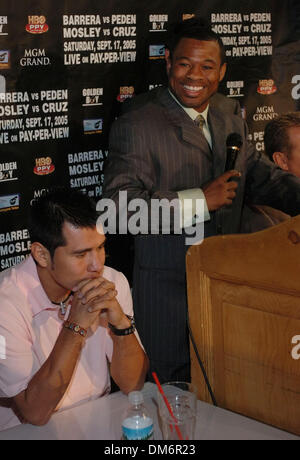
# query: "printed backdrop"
66,67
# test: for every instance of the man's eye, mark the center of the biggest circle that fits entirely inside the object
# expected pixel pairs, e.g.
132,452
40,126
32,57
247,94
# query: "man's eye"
81,255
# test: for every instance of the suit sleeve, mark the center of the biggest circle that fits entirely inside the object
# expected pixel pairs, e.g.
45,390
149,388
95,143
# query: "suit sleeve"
131,168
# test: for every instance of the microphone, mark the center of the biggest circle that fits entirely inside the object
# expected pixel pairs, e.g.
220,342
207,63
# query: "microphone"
233,143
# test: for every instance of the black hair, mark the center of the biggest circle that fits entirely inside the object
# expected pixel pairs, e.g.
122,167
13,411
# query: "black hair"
49,212
197,28
276,136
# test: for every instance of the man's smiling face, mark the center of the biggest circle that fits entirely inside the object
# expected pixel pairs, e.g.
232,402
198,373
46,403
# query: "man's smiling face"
195,71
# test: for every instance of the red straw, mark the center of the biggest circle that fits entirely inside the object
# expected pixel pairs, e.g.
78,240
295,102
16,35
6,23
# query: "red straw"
168,405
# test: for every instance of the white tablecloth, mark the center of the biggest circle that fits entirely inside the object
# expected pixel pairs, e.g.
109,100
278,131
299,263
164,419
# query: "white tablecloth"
101,419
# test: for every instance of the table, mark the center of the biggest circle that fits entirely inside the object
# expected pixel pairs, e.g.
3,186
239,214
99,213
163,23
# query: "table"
101,420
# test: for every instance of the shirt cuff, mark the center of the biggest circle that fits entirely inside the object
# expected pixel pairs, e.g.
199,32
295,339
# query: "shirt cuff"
193,207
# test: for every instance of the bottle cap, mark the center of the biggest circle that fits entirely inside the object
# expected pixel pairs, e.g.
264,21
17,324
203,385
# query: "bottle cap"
136,397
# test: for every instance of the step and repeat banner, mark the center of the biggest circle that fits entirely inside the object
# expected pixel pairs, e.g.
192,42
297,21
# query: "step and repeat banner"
66,68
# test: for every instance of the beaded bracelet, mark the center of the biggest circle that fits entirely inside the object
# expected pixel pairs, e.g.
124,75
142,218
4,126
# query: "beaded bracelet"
75,328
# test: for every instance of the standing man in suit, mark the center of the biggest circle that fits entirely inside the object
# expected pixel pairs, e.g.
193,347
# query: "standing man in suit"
160,150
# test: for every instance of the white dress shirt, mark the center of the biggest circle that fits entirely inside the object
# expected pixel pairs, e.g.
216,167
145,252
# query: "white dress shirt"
193,206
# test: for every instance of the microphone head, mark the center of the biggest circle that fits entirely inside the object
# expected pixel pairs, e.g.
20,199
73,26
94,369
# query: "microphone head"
234,140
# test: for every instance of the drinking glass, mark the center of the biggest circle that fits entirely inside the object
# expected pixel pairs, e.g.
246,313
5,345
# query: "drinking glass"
177,410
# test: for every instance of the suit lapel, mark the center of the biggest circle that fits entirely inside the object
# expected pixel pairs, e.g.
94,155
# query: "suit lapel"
189,132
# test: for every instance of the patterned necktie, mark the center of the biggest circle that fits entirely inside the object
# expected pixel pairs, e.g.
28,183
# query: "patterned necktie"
199,121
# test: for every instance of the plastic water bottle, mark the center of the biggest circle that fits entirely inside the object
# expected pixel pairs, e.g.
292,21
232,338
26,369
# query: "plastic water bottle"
137,424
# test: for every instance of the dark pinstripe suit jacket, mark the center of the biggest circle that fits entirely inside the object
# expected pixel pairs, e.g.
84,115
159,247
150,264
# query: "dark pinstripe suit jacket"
155,151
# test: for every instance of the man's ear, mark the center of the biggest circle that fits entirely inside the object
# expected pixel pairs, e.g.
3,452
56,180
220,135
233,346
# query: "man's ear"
40,254
168,60
281,160
222,71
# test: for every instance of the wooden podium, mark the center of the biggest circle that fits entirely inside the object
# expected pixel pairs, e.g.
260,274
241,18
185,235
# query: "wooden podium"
244,311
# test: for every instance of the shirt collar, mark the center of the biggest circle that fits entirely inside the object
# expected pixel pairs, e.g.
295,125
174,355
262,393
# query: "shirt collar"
192,113
31,285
